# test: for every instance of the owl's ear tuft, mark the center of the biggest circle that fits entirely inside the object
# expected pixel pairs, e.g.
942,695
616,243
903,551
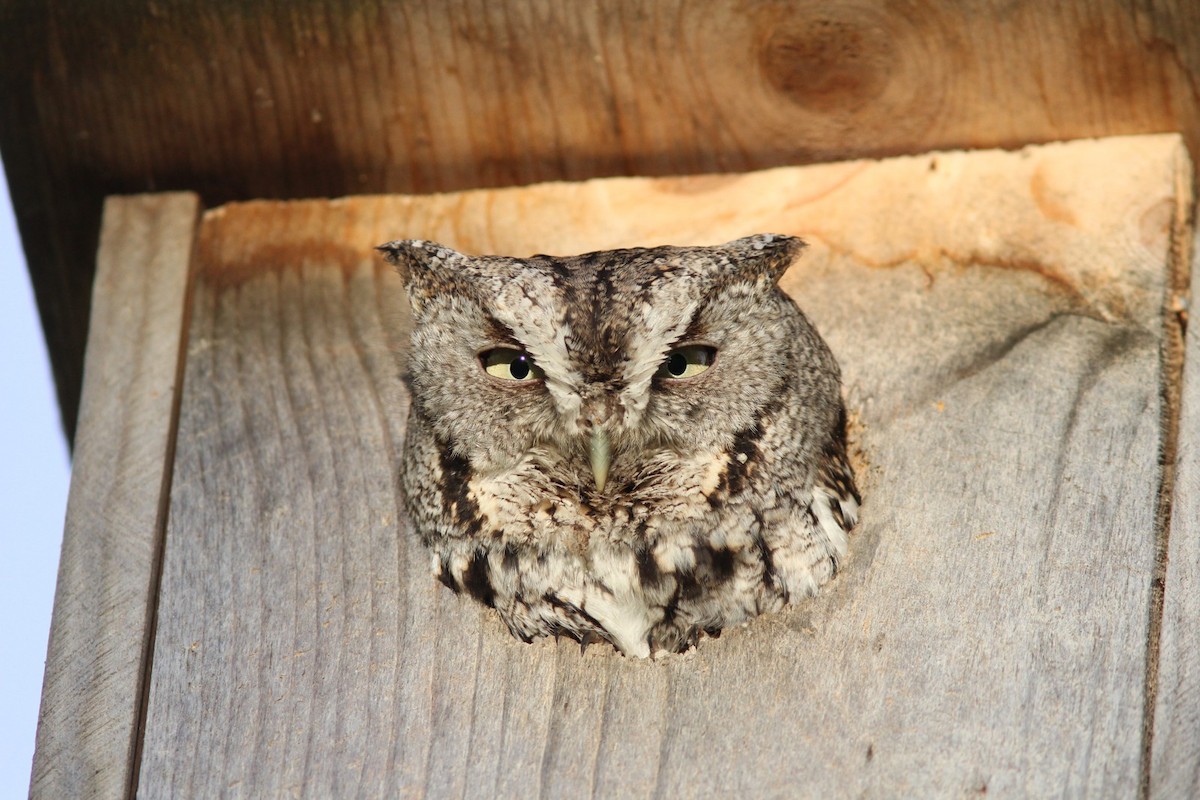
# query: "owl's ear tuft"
413,258
427,268
766,254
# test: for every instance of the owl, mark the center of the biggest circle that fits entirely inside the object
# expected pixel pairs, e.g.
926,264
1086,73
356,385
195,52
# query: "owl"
638,446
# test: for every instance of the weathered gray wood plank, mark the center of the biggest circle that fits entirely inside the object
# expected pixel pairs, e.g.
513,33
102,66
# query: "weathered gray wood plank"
100,634
999,318
1175,770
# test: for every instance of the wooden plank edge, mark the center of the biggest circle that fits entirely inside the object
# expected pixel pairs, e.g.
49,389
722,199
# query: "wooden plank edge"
101,637
188,270
1175,751
1171,360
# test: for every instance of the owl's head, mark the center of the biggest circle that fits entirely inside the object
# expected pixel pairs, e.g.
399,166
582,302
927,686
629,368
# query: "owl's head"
608,360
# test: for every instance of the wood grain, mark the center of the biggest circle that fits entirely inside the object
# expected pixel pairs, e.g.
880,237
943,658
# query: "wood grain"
101,633
1175,770
999,319
322,99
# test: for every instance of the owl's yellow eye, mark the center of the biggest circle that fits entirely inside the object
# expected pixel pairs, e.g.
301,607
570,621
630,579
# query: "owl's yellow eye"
510,364
687,362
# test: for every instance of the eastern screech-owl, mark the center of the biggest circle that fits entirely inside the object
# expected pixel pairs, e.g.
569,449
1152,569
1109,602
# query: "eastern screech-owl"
632,445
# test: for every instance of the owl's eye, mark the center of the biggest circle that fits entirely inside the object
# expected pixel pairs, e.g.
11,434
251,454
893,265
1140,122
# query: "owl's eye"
510,364
687,362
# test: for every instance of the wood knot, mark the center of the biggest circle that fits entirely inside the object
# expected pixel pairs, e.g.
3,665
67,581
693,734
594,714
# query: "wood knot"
879,71
828,64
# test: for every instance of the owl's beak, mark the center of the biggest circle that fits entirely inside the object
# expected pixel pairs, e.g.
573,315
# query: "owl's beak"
600,454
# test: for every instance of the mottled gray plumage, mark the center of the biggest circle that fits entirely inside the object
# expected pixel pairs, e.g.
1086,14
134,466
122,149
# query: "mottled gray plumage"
587,482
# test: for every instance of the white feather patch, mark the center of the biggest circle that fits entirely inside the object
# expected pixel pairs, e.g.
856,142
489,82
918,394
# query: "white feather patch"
835,533
712,473
625,618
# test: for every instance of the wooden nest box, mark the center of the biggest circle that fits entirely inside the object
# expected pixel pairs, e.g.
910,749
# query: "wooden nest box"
241,607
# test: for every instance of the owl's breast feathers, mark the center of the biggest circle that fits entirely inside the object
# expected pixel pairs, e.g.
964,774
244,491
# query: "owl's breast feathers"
675,548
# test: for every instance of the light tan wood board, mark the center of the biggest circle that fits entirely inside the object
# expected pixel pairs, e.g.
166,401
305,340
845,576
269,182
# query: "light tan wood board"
1000,322
101,632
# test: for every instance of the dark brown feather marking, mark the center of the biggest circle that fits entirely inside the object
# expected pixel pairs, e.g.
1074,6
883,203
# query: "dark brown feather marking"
475,579
499,332
835,467
768,565
696,329
648,572
721,564
511,562
741,460
572,610
447,577
456,497
688,587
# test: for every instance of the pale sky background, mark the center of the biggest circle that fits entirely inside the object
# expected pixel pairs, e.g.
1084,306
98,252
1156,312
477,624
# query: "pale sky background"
34,472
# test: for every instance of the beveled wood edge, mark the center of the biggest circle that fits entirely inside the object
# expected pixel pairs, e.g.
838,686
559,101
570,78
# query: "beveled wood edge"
102,629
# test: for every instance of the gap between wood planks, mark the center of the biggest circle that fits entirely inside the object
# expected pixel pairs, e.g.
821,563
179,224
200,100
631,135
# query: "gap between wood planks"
161,516
1171,359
